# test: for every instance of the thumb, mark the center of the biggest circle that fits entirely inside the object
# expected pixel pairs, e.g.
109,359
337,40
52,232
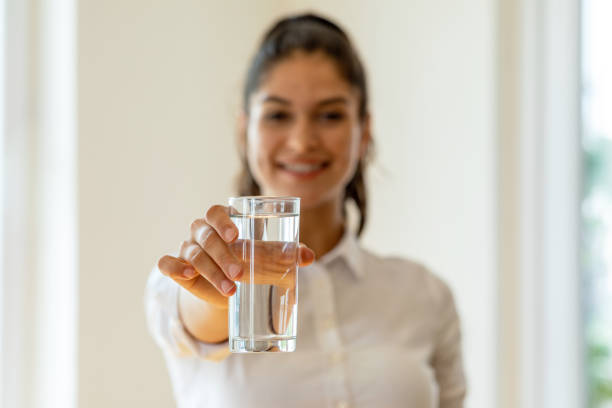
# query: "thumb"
307,255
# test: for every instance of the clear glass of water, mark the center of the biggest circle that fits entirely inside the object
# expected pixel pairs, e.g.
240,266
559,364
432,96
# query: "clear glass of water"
263,310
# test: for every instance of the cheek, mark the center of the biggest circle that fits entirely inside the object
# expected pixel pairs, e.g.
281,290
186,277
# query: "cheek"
259,150
346,150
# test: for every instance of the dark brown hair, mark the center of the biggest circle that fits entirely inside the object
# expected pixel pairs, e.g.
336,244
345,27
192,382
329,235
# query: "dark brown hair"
310,33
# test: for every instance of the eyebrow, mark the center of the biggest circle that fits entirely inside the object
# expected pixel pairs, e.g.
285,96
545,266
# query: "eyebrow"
328,101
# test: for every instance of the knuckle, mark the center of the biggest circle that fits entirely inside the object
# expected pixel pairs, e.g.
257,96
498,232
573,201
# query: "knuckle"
207,238
189,250
212,210
196,225
183,247
199,257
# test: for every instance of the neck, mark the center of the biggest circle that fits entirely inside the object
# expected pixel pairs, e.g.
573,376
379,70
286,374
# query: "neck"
321,227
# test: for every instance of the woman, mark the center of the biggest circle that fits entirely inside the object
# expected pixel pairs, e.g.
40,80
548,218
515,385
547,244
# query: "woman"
373,331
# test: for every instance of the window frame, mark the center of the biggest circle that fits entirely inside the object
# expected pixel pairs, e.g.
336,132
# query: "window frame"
540,328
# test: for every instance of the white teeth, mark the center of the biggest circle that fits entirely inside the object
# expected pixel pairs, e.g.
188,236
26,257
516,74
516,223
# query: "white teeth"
302,168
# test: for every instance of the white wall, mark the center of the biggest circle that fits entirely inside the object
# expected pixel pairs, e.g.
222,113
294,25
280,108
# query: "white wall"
159,85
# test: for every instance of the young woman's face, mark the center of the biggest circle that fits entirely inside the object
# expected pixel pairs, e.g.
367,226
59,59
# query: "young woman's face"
304,133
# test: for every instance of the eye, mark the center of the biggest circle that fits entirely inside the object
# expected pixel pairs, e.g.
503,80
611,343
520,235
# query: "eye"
277,116
332,116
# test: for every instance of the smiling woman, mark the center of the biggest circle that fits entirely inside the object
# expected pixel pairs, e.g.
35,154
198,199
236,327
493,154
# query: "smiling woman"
305,132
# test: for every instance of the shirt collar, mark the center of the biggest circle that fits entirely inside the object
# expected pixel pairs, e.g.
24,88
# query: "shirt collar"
348,250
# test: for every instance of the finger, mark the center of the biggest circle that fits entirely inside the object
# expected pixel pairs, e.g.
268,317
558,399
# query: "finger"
206,267
274,254
176,268
205,290
183,273
217,217
209,240
270,263
307,255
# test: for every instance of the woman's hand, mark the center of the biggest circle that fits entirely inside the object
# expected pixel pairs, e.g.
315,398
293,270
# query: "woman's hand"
207,265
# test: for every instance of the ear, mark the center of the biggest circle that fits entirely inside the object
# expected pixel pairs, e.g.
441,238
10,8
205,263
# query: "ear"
366,136
242,122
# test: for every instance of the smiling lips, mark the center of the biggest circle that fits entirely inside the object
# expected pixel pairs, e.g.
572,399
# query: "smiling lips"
303,171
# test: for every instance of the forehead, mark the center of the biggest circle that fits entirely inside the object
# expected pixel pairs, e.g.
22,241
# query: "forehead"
304,77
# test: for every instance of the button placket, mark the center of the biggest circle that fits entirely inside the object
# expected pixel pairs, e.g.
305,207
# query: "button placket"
328,336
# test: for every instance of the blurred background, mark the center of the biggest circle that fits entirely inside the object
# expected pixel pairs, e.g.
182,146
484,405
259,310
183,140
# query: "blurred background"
493,129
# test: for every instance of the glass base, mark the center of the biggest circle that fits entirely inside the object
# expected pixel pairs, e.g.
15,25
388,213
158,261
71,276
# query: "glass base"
270,345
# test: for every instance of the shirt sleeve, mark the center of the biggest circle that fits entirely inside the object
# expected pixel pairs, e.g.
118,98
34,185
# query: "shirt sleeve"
164,323
447,359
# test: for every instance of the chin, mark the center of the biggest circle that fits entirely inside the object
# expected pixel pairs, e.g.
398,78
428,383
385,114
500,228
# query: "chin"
307,203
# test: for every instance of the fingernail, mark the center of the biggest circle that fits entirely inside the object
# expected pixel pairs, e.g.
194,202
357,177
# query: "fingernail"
229,234
189,273
234,270
226,286
309,255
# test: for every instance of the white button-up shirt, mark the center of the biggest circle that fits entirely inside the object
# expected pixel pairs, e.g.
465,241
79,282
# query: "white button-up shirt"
372,332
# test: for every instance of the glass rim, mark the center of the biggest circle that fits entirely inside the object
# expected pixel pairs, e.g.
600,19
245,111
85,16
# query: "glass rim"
264,198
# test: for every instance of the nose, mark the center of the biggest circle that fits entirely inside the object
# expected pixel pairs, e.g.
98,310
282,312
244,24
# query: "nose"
302,136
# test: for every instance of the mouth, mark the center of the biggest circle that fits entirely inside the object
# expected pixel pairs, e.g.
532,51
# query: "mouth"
303,170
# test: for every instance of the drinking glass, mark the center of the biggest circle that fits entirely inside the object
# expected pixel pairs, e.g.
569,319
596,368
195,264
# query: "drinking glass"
263,310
